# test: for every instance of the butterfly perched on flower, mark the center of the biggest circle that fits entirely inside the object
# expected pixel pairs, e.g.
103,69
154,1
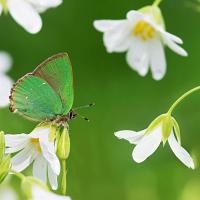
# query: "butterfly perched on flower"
45,95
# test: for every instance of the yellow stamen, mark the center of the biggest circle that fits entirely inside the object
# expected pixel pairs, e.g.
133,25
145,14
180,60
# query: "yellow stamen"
36,143
144,31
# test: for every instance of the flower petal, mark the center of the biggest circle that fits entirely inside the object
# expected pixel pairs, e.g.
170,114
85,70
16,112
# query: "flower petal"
180,152
106,25
5,90
40,168
5,61
52,178
131,136
7,193
13,140
137,57
157,59
148,145
174,47
134,16
41,132
23,159
50,155
16,148
40,193
25,15
118,38
43,5
170,36
1,9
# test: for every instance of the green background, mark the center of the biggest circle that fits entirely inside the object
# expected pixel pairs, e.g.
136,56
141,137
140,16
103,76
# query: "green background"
100,166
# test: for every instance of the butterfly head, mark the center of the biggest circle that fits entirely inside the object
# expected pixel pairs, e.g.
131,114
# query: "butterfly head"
72,115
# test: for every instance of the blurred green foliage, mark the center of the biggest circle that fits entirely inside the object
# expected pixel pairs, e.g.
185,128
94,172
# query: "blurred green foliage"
100,166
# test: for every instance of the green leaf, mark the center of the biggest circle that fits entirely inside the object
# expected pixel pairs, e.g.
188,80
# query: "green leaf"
177,130
5,168
2,145
167,125
63,148
155,123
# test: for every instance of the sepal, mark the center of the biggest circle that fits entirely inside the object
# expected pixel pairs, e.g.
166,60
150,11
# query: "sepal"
155,13
2,145
155,123
167,126
5,166
177,130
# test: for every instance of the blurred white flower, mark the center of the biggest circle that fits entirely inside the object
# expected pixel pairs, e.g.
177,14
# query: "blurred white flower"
39,193
27,12
5,81
36,147
6,193
142,35
164,128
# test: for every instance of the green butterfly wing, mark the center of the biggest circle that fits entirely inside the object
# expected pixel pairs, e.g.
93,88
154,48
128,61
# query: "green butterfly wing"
45,93
57,71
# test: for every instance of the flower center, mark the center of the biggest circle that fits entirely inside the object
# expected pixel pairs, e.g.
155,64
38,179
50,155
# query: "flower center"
36,143
144,31
4,5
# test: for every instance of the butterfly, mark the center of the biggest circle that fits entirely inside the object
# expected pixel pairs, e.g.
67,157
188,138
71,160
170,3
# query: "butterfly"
47,93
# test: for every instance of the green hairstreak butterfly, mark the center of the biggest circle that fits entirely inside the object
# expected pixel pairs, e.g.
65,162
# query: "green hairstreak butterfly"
46,94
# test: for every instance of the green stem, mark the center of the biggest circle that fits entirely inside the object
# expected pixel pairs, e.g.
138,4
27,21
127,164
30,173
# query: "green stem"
18,174
64,177
156,2
179,100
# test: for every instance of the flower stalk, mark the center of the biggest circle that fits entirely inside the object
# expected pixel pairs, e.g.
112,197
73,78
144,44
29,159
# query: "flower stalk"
180,99
63,186
157,2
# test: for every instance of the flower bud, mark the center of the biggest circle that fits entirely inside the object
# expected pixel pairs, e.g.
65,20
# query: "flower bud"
63,148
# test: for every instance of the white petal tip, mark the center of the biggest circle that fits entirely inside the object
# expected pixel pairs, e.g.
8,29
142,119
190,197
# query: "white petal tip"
136,158
158,76
117,134
192,165
54,187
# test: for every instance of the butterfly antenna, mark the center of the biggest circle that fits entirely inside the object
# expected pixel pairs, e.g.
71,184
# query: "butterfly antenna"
83,117
84,106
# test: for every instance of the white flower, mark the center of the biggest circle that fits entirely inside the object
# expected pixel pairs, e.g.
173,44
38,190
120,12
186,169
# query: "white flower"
7,193
39,193
27,12
6,81
142,36
148,140
36,147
